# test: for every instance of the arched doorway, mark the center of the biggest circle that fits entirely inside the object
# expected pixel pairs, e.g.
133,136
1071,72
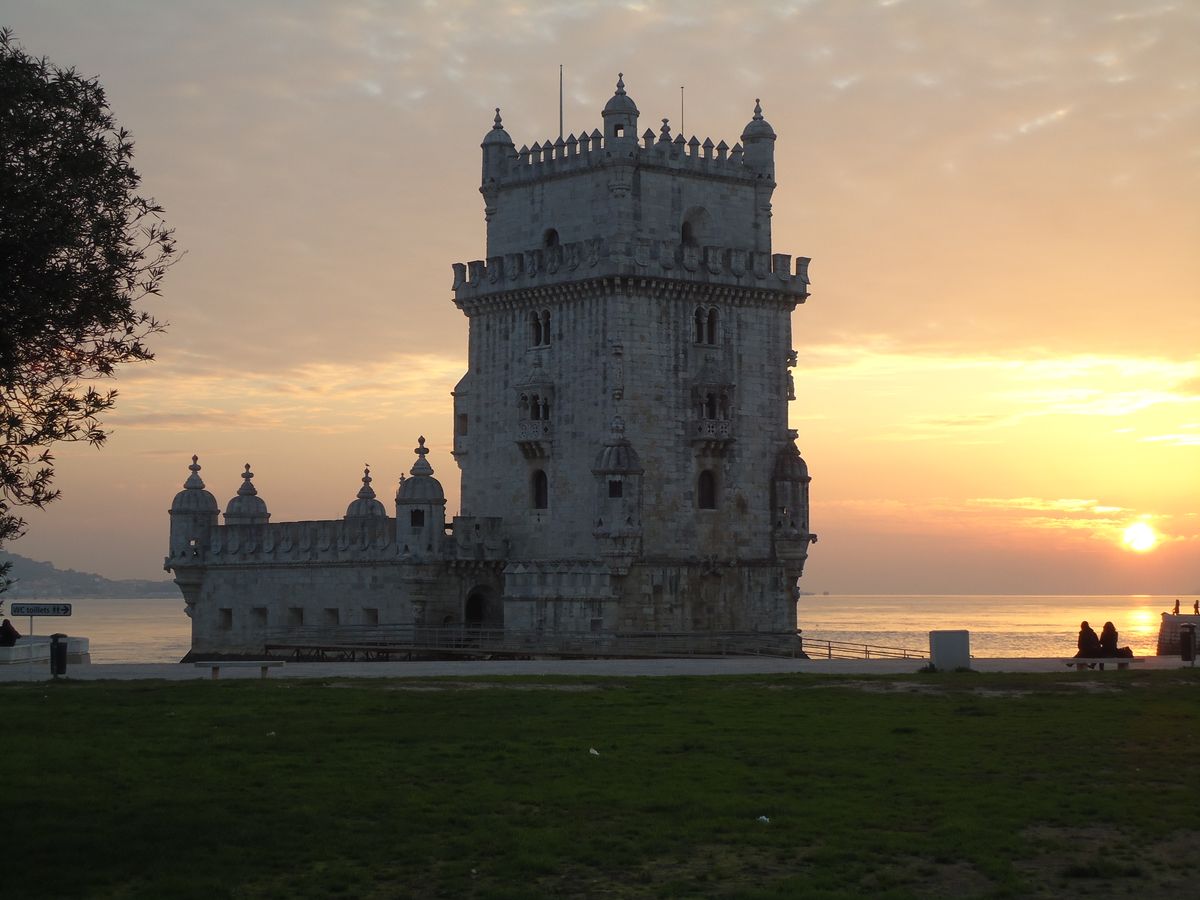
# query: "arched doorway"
483,608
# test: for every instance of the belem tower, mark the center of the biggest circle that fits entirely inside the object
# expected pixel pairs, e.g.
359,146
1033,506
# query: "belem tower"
621,430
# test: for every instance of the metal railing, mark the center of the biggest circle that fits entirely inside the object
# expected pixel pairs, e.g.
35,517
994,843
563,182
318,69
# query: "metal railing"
384,641
817,648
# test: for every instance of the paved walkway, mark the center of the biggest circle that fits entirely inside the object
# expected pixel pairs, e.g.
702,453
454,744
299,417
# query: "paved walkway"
40,671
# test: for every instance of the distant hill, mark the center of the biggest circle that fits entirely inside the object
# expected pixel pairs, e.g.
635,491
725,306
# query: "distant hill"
42,580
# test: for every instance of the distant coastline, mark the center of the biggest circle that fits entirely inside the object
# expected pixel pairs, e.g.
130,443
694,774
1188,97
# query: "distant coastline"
33,580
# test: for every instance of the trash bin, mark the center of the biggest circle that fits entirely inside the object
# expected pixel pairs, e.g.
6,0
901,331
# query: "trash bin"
1187,643
58,654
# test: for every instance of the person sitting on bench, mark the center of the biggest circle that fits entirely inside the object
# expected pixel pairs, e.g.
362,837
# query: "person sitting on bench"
1108,642
1089,644
8,634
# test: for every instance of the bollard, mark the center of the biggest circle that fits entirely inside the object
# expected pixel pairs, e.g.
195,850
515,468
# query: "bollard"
1187,643
58,654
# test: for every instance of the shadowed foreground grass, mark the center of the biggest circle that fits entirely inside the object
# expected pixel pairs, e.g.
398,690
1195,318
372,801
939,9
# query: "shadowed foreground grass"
956,785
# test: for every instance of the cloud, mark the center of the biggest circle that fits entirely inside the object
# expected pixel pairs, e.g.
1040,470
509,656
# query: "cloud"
321,397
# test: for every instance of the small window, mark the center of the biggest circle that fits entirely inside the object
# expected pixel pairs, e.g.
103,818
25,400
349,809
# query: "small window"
416,518
225,619
707,490
710,406
550,238
619,131
701,319
460,424
687,235
616,488
260,616
597,625
370,616
545,328
535,329
541,490
295,615
329,616
712,328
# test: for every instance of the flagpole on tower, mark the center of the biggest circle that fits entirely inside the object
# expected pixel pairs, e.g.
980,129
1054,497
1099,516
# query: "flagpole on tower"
681,109
560,101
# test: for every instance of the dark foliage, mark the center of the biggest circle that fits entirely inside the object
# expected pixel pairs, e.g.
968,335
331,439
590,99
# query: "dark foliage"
79,247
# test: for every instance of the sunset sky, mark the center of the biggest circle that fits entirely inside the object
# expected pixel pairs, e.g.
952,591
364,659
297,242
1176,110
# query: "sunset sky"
999,365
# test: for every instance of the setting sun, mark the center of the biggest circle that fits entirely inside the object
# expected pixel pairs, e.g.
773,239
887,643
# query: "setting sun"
1140,537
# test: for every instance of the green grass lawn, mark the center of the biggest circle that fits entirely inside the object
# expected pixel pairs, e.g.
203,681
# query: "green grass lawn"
955,785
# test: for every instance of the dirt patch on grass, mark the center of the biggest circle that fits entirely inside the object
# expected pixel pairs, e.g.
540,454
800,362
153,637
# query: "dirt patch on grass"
888,687
1106,862
1089,686
425,686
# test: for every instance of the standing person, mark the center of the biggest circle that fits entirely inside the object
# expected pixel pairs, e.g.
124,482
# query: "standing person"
1196,607
1176,606
1089,644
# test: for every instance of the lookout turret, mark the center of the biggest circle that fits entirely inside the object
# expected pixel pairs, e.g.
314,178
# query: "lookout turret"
193,512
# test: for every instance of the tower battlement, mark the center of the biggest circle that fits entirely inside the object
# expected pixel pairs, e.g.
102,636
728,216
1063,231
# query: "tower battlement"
588,151
598,257
615,185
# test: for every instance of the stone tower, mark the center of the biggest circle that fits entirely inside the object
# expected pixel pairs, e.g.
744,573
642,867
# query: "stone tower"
625,407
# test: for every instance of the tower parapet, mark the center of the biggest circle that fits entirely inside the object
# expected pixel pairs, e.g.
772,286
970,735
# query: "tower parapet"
769,275
617,187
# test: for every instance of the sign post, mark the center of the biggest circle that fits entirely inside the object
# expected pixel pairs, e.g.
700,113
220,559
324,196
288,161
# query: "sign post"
40,609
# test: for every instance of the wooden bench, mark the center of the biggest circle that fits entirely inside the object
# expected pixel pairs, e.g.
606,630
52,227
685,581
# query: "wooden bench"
1081,662
218,664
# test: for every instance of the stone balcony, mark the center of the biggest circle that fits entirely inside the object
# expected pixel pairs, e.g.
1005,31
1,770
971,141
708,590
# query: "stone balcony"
535,437
711,435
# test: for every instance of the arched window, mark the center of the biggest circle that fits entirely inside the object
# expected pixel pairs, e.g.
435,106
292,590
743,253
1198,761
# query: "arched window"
535,329
701,320
545,327
535,408
416,518
550,238
710,405
695,228
711,331
706,490
541,490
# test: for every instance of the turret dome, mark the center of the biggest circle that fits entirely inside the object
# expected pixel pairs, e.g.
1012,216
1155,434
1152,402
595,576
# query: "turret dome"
246,507
194,498
620,103
790,465
617,456
422,487
758,127
365,505
497,134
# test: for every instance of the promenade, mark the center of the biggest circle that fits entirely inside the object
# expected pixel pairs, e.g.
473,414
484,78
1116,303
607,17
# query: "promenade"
617,668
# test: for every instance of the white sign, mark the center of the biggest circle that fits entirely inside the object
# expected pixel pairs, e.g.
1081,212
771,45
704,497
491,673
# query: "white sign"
40,609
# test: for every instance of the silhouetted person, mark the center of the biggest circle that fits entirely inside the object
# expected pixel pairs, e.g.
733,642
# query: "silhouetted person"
1196,607
1176,606
8,634
1089,644
1108,640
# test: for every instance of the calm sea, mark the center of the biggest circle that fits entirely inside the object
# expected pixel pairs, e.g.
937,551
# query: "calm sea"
123,631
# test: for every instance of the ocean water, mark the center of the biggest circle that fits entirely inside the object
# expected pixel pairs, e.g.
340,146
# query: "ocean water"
1000,625
157,630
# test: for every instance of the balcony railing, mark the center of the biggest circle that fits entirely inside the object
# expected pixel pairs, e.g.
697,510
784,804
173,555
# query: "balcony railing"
712,430
535,430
